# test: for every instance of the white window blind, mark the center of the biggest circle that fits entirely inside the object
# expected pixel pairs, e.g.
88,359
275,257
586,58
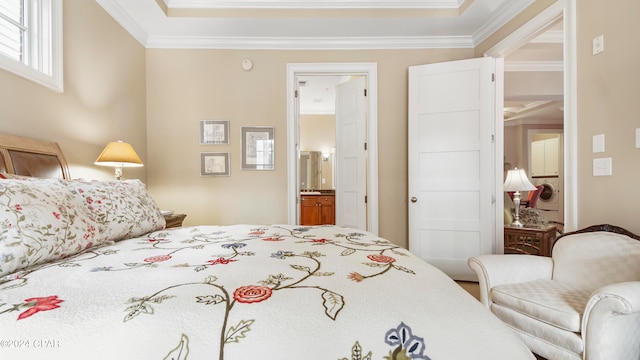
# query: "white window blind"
31,40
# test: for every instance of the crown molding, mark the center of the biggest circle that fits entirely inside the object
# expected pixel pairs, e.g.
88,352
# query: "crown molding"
304,4
314,43
505,14
534,66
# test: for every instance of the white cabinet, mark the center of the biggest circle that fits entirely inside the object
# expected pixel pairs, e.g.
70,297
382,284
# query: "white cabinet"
544,157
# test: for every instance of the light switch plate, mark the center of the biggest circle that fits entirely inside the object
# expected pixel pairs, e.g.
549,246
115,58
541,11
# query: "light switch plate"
638,138
598,44
602,167
598,143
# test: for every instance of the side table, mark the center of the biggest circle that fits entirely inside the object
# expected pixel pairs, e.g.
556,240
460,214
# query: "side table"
530,239
174,220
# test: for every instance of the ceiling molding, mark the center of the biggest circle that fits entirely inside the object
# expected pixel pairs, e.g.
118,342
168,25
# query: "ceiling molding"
324,4
149,40
528,31
549,37
502,17
315,43
534,66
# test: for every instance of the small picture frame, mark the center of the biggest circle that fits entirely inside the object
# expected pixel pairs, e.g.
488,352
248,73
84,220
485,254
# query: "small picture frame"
214,164
214,132
257,148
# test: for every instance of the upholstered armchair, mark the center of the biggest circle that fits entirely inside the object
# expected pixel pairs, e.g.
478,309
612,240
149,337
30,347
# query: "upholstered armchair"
583,302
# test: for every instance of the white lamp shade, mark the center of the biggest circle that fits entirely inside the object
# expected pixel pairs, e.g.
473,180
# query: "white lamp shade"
517,180
119,154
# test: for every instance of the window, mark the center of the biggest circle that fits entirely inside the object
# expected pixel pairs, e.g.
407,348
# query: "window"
31,40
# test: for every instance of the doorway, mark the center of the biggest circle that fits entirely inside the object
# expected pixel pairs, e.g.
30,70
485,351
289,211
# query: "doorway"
565,11
294,71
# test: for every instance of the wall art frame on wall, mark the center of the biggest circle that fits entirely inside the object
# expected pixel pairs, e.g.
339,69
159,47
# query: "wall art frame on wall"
215,164
214,132
257,148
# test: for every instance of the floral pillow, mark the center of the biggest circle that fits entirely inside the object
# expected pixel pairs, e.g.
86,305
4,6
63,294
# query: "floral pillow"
123,208
4,175
41,220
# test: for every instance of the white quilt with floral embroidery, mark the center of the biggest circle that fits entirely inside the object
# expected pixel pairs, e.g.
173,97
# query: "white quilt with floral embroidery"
246,292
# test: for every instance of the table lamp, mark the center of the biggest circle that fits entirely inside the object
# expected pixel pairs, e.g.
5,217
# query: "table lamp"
119,154
517,181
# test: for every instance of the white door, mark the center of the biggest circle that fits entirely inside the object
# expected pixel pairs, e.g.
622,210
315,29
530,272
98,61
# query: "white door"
351,173
452,163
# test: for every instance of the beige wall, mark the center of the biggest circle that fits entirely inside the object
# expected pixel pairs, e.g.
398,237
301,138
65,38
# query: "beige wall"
608,97
103,98
186,86
317,132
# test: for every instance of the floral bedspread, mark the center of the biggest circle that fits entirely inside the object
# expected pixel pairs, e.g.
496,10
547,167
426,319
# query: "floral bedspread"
246,292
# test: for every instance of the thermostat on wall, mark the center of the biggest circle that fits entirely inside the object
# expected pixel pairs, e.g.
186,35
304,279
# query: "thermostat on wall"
247,64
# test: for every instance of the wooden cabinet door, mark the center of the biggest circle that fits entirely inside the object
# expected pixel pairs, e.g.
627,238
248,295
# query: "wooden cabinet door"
309,211
327,210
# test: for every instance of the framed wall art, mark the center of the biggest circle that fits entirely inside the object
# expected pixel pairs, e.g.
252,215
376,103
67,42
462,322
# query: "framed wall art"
214,132
257,148
214,164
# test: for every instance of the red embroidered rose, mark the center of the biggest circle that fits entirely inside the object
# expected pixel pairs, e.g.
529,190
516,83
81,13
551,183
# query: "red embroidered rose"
220,260
56,215
38,304
381,258
157,258
258,232
252,294
321,241
18,207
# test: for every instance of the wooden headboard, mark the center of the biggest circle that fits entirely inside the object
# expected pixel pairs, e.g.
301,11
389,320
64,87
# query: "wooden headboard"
32,157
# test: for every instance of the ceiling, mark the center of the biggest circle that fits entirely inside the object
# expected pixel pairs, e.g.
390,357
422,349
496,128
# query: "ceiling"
342,24
312,24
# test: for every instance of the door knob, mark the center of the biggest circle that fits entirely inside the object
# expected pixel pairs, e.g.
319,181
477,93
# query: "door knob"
414,199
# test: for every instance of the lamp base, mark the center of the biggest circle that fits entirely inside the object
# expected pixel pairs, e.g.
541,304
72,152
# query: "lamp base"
517,223
118,172
516,201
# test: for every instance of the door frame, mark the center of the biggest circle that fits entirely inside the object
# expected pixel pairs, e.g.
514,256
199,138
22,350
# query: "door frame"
565,9
370,70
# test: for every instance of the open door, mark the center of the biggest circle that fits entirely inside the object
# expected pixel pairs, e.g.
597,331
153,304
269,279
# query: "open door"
351,154
454,125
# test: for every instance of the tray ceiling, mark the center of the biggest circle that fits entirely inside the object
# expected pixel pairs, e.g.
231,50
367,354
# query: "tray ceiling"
303,24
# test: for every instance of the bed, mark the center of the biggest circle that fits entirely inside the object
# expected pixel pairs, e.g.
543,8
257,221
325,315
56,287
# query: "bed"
87,270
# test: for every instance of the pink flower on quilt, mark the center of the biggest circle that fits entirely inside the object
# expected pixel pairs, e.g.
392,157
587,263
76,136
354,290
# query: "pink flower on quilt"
89,200
381,258
273,239
18,207
220,260
257,232
320,241
38,304
252,294
157,258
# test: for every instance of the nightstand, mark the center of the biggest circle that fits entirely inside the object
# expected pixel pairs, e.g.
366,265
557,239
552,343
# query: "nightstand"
174,220
530,239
